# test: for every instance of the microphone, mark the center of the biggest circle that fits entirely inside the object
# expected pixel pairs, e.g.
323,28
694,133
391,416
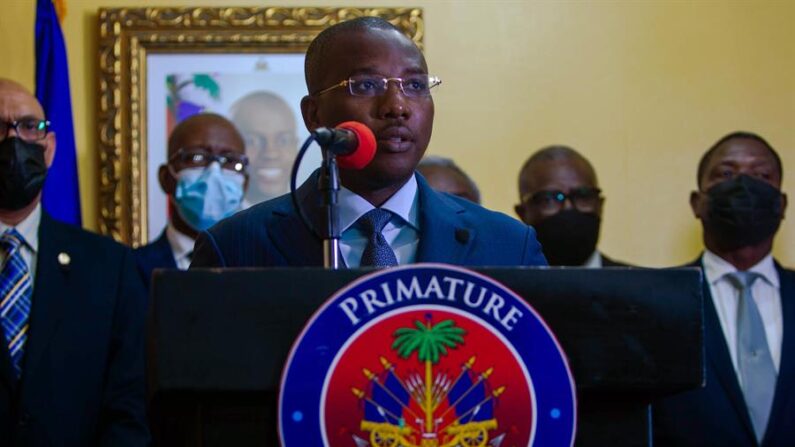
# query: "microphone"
352,142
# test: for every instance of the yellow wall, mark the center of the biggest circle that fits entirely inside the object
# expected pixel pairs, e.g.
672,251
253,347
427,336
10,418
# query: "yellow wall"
642,88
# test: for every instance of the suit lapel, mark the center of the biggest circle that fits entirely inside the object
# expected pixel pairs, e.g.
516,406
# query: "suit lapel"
50,287
786,371
290,236
7,375
163,255
444,236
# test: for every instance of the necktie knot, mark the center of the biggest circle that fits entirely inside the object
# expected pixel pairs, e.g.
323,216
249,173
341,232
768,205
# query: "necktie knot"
743,280
375,220
11,240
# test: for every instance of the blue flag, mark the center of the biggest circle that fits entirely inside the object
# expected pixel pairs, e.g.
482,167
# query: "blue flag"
61,196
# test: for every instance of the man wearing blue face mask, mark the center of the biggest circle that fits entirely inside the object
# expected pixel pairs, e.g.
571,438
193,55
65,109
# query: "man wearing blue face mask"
205,178
749,307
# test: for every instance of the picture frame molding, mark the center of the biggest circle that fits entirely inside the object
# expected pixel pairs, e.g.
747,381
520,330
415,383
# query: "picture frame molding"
128,35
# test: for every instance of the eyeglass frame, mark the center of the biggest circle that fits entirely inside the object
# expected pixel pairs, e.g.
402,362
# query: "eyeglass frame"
15,125
212,158
572,197
433,81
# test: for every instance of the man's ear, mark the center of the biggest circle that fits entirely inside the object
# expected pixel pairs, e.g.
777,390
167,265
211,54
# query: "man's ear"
783,205
519,210
167,181
49,149
695,203
309,112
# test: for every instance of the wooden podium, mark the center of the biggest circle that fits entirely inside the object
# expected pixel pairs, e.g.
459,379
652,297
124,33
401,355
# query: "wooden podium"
218,340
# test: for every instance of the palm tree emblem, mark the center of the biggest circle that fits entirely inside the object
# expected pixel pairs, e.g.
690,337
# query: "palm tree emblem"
449,412
430,341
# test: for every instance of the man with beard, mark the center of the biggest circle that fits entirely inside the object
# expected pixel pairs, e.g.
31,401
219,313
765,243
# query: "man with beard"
72,307
560,197
749,307
366,70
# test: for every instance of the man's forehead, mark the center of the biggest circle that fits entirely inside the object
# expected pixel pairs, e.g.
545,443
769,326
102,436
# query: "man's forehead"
741,150
15,103
213,135
374,45
558,173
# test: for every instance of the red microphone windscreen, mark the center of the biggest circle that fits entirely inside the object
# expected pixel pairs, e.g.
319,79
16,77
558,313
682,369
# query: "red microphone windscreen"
364,153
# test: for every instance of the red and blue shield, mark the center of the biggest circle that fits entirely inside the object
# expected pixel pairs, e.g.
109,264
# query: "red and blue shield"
426,355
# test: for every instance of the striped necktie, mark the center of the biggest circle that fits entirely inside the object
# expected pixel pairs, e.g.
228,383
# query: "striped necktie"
755,363
16,289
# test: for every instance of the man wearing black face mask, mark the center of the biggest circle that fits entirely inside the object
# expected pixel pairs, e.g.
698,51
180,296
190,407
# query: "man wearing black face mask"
560,198
749,307
72,307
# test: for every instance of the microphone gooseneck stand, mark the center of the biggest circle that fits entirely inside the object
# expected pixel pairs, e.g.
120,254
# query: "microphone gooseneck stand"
328,185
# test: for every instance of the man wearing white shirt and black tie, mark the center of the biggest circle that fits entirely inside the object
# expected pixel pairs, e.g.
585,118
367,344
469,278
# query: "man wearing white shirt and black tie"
749,307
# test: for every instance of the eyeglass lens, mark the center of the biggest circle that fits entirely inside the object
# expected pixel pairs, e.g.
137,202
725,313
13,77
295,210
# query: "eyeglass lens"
371,85
583,199
200,157
27,129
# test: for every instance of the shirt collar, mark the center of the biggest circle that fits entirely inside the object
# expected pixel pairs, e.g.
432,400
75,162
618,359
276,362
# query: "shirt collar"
28,228
716,268
181,244
594,261
403,204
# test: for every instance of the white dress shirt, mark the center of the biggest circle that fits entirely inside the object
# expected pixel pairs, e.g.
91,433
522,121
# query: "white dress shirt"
725,297
29,230
181,245
401,232
594,261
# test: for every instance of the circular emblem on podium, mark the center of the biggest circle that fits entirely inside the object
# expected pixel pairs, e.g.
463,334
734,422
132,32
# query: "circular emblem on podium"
427,355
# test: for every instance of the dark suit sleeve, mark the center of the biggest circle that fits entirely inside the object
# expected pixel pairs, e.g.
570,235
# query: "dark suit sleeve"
532,249
123,416
206,253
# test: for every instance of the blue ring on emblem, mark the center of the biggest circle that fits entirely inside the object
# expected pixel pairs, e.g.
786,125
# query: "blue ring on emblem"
317,346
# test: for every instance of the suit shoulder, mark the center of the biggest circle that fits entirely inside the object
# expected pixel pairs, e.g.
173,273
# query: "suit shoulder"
88,240
786,272
255,215
481,216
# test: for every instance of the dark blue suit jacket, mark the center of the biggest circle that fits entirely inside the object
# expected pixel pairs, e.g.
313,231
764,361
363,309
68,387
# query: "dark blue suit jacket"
156,255
716,415
452,230
83,374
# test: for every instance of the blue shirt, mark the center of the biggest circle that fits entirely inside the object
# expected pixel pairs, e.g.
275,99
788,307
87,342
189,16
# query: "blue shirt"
401,232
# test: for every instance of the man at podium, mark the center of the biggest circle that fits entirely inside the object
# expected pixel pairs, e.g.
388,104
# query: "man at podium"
366,70
749,307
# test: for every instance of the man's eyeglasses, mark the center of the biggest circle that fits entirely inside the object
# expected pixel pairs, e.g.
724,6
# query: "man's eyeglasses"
584,199
201,157
413,86
28,129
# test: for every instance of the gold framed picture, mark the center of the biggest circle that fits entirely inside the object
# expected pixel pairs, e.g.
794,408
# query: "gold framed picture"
158,66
